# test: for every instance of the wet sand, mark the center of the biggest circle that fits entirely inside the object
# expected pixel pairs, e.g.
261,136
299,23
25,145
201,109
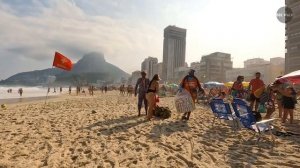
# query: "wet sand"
104,131
25,99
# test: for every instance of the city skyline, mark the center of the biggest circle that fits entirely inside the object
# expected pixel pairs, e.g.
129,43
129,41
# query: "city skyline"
174,49
34,30
292,38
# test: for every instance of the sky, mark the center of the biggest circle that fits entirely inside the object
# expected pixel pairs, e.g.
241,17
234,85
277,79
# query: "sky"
128,31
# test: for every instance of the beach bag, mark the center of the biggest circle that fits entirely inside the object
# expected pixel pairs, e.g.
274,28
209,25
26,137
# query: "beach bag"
162,112
184,102
259,92
261,108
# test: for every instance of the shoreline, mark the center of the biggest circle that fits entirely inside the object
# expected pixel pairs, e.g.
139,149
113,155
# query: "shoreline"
25,99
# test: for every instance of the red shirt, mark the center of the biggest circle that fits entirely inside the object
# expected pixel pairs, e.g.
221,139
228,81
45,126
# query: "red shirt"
237,86
256,84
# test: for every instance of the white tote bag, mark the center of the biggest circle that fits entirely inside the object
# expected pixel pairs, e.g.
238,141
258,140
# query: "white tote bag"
184,102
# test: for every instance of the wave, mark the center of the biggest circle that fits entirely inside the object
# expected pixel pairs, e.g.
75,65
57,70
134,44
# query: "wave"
38,91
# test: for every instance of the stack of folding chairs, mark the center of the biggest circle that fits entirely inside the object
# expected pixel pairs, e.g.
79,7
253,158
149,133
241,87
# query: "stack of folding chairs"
242,114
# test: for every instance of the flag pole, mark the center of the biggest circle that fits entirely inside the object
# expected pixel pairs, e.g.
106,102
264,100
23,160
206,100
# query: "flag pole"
62,62
48,88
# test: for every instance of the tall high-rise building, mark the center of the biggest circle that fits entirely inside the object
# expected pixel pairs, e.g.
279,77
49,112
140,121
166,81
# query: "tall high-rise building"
158,69
269,69
292,34
255,62
148,66
196,66
134,77
173,51
213,67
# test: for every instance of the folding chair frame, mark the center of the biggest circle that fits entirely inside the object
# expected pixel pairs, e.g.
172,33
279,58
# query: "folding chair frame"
255,127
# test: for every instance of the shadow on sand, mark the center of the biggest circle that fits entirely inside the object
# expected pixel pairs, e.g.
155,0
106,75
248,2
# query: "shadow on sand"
167,128
241,146
122,124
121,120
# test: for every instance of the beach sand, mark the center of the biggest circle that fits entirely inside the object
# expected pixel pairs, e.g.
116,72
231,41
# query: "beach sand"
25,99
104,131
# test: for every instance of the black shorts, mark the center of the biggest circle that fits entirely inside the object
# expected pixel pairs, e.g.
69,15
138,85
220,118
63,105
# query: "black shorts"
253,98
288,103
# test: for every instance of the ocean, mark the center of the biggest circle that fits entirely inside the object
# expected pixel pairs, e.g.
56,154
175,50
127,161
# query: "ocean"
28,92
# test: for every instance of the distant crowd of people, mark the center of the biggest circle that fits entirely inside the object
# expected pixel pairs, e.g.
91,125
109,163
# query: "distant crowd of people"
265,97
261,97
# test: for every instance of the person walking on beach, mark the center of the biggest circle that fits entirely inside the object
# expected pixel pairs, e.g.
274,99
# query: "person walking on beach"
152,95
60,89
141,88
129,90
70,90
254,85
122,90
77,90
105,89
20,92
191,83
278,96
289,100
92,90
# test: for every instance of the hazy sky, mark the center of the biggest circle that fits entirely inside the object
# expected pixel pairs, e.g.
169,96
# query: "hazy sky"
127,31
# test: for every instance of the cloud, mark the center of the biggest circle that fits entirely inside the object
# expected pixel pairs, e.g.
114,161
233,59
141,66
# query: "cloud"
128,31
63,26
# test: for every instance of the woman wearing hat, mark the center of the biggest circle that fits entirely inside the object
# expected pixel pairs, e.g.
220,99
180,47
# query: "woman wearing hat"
191,84
152,94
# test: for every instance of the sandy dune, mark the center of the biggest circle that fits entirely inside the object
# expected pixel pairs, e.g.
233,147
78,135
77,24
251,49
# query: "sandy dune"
104,131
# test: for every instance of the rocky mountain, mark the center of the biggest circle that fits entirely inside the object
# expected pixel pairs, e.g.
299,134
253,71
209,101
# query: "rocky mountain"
89,69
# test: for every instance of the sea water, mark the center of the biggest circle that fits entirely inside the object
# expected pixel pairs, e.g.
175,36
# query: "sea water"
28,92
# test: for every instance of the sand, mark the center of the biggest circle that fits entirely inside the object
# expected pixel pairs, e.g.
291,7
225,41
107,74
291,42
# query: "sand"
24,99
104,131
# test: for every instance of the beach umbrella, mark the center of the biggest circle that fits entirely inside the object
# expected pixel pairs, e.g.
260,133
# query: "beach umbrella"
172,85
293,77
228,84
213,84
246,84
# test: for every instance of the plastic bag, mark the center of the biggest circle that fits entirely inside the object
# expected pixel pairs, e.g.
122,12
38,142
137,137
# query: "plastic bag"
261,108
184,102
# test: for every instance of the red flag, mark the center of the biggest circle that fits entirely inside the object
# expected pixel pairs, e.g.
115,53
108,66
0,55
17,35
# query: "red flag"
61,61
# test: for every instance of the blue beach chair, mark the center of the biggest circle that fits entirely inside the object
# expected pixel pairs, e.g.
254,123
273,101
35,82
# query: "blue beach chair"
245,115
222,111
